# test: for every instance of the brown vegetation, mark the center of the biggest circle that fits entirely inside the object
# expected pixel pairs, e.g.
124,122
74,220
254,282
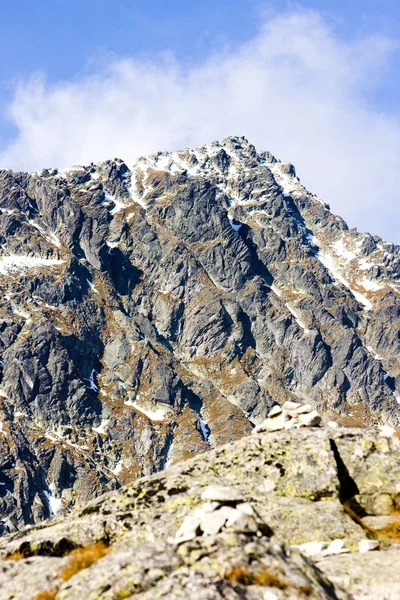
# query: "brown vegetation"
48,594
82,558
246,575
17,555
391,530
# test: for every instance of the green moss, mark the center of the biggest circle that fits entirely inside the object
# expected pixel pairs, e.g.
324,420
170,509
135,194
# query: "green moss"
182,501
122,593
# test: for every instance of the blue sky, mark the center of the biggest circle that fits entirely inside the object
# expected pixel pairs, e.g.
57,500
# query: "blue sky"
61,59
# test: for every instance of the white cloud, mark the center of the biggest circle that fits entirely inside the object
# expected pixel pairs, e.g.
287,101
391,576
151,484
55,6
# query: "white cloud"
296,89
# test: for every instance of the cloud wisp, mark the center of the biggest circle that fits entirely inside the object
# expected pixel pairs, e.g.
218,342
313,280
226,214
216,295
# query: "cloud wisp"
295,89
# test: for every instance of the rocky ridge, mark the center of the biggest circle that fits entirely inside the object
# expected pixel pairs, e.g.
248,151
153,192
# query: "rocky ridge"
302,513
153,310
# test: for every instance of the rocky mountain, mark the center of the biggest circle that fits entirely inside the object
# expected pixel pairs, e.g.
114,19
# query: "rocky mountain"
304,513
153,310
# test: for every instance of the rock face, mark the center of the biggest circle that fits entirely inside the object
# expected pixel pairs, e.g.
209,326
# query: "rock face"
154,310
237,522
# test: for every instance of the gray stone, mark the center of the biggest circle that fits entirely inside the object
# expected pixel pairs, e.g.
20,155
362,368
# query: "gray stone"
310,419
222,493
368,545
241,522
308,468
212,523
275,411
367,576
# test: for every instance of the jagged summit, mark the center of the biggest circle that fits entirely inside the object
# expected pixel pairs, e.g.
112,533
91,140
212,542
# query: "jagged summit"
156,309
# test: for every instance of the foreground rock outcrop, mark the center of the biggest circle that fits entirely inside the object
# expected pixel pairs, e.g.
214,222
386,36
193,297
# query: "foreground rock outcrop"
151,311
289,514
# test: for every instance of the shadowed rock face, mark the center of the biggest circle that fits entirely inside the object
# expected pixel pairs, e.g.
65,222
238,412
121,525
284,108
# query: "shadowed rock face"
232,523
154,310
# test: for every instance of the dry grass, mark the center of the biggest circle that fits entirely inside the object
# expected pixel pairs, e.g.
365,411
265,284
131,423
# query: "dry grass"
353,511
48,594
391,530
82,558
245,575
17,555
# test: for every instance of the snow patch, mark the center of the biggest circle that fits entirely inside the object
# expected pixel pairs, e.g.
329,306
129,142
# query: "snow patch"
21,313
342,251
290,184
329,263
154,415
370,285
92,287
365,264
168,457
118,205
14,263
234,224
2,430
118,467
102,427
54,503
204,429
136,197
375,355
50,236
298,318
54,436
92,383
276,290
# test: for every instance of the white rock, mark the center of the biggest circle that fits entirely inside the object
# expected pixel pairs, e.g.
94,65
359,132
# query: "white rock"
275,424
288,405
188,530
246,508
367,545
275,411
311,419
212,523
335,547
241,522
333,424
304,408
222,493
312,548
207,507
267,486
270,596
386,431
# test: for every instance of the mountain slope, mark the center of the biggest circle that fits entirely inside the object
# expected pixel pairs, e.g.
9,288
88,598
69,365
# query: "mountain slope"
154,310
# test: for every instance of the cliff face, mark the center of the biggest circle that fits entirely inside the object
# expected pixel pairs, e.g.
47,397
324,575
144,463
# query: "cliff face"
235,523
154,310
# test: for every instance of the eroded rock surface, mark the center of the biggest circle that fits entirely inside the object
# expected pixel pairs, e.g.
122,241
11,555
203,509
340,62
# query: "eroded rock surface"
153,310
237,522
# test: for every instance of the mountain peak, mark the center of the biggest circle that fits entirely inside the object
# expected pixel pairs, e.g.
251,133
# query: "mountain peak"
156,308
